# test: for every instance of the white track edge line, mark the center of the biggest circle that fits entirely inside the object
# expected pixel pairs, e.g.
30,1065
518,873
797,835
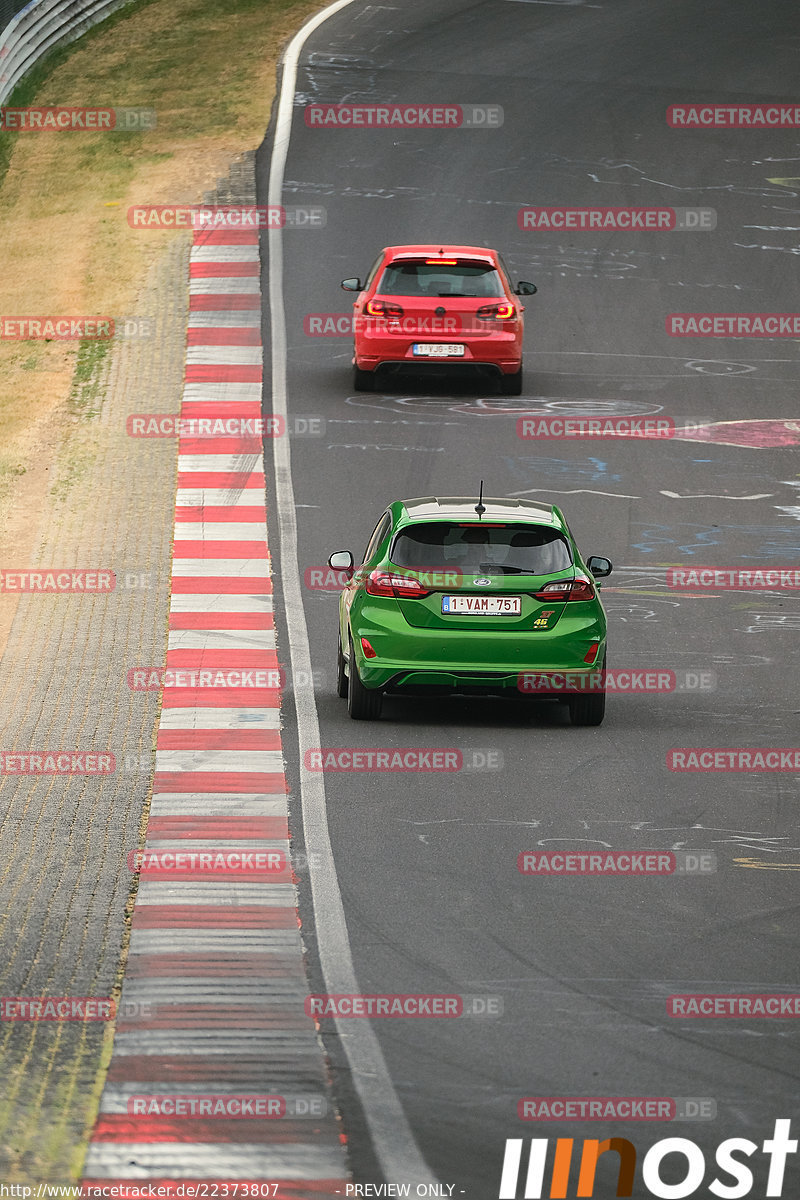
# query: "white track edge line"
393,1141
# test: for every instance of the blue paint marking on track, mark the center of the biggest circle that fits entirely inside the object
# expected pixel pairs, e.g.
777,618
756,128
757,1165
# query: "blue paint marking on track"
531,469
768,542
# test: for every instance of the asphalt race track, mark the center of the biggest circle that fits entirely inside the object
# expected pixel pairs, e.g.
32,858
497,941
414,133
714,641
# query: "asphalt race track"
427,863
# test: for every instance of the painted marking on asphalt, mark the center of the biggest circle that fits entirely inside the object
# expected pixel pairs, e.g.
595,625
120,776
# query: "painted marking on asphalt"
225,335
239,531
223,391
232,301
224,354
230,606
219,718
229,739
225,270
559,3
757,864
205,513
714,496
755,434
255,568
215,253
214,804
575,492
239,894
218,1161
217,319
225,373
230,462
223,287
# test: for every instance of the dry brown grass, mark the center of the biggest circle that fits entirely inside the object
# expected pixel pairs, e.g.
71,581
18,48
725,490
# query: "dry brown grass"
208,69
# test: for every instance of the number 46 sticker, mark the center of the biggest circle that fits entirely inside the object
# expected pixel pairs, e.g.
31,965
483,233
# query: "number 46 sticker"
543,620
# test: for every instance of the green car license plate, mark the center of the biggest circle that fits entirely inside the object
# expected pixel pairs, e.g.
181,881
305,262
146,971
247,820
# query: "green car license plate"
482,606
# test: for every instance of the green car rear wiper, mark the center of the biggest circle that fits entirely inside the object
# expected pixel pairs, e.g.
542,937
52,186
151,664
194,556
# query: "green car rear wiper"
506,569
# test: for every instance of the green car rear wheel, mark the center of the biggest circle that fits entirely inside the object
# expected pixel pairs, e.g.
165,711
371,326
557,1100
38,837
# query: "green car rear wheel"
363,704
341,674
588,710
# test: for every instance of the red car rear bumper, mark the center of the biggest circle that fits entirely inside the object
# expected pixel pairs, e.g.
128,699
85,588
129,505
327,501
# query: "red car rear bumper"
499,351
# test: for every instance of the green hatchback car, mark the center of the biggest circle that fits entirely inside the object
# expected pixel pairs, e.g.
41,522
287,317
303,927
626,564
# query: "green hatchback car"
466,598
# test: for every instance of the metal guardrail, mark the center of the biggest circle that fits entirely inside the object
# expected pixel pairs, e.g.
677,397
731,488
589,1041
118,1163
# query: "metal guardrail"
40,25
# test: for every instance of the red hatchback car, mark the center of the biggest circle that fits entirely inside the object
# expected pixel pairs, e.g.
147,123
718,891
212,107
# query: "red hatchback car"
438,310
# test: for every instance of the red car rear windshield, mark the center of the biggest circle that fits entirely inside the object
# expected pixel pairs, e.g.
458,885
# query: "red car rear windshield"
435,280
512,549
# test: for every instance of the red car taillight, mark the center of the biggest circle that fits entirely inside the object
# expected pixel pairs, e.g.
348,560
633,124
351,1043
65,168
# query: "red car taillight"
490,312
579,588
380,308
402,587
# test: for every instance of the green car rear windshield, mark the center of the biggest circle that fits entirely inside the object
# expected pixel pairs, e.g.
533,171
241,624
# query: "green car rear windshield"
516,549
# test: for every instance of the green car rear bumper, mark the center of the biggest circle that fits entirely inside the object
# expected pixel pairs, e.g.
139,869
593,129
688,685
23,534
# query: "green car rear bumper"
409,656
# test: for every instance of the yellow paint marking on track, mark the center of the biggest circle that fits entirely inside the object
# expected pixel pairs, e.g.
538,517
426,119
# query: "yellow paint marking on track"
789,181
758,864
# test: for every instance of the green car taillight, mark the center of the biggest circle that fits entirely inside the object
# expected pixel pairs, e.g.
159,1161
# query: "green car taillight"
401,587
579,588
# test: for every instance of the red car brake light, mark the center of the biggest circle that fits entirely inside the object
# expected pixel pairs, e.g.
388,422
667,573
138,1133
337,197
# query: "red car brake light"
504,310
380,308
402,587
579,588
446,262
